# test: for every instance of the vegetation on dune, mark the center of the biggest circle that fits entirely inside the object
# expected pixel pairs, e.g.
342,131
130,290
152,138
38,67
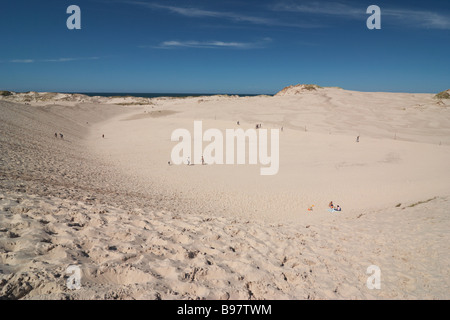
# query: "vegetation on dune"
48,95
421,202
5,93
301,87
133,103
311,87
443,95
117,97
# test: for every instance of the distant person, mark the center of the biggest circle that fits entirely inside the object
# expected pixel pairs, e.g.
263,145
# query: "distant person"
203,160
56,135
238,123
188,161
331,205
61,135
103,135
338,208
357,139
168,162
281,129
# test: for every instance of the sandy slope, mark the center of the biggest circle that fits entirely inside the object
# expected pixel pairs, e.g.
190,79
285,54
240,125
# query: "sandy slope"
139,228
402,156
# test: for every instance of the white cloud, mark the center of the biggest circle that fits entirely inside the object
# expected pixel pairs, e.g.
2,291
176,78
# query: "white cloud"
192,12
211,44
425,19
407,17
200,13
69,59
324,8
51,60
22,61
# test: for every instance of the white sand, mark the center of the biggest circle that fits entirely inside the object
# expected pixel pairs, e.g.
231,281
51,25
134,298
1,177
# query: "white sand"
141,229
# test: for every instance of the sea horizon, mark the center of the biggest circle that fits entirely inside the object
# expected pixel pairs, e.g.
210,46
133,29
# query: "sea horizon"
159,94
146,94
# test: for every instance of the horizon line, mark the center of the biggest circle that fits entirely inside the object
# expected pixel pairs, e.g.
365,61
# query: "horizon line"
186,94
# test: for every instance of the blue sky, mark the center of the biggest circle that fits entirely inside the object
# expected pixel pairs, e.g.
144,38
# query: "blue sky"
208,46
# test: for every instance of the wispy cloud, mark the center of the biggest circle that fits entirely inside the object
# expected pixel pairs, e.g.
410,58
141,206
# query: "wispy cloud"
323,8
193,12
409,17
22,61
51,60
417,18
201,13
211,44
69,59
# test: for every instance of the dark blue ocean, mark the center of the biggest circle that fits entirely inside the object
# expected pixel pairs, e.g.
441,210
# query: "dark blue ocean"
155,95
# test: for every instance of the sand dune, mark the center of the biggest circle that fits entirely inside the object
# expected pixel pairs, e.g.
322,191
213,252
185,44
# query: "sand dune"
141,229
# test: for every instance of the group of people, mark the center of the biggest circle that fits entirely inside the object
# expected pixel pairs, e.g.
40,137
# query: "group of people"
258,125
188,161
333,207
62,136
330,205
